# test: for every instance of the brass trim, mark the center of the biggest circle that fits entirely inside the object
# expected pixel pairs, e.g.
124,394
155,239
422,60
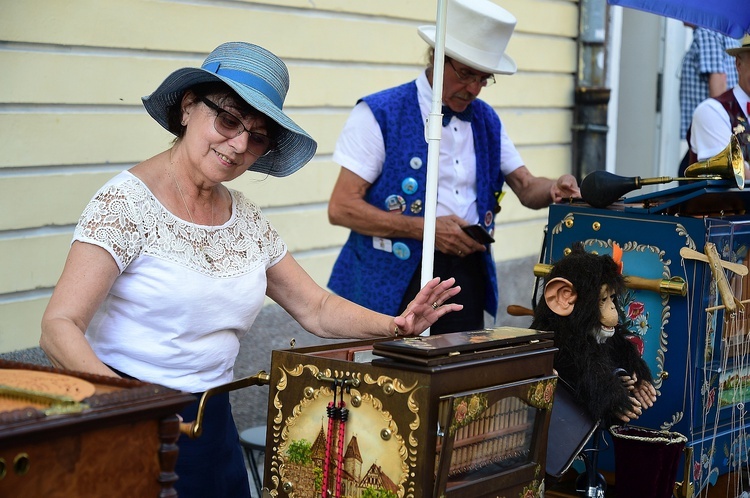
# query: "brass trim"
195,428
675,286
21,464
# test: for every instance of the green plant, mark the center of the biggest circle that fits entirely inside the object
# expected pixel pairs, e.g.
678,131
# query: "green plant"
300,452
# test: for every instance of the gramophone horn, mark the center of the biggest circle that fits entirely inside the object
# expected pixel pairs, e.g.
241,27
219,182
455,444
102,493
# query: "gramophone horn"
601,188
728,164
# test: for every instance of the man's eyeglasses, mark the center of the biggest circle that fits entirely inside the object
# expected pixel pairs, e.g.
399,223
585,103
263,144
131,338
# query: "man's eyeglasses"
230,126
469,78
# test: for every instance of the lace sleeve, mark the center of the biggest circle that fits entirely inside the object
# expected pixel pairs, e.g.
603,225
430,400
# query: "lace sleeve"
275,245
111,221
261,231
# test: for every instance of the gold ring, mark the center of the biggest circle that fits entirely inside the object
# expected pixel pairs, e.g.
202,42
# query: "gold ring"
435,305
460,253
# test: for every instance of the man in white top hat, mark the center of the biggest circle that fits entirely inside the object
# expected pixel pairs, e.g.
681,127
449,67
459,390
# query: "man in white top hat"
380,191
715,120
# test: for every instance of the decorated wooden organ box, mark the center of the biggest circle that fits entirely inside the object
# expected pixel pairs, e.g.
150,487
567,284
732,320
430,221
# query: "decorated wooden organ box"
462,414
65,434
687,311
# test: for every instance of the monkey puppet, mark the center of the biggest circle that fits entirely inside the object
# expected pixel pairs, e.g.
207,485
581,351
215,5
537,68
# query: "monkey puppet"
605,369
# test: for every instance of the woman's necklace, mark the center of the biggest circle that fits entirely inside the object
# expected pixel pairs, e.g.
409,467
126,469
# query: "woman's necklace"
203,244
179,190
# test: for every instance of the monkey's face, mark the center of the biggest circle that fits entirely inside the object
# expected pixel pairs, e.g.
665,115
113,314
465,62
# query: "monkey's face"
607,307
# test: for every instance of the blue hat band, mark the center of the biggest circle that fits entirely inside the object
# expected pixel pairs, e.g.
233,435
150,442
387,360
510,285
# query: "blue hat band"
246,79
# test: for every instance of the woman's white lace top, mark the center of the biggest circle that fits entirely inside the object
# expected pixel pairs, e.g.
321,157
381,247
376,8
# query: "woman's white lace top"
186,293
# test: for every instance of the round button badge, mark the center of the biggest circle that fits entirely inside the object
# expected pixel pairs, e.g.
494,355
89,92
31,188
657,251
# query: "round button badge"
409,185
401,251
395,203
488,216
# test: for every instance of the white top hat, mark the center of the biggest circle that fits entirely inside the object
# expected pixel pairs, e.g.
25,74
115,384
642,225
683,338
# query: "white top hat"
477,33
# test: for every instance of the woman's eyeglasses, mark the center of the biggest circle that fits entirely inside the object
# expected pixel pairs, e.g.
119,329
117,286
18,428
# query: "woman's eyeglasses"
469,78
230,126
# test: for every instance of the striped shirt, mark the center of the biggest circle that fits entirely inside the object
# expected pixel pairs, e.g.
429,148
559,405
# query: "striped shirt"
706,55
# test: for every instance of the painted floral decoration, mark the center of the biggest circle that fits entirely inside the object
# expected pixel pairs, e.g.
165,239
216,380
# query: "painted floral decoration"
635,317
466,409
535,489
708,392
542,393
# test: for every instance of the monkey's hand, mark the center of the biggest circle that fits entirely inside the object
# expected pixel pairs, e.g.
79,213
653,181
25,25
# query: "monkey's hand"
631,413
645,393
628,382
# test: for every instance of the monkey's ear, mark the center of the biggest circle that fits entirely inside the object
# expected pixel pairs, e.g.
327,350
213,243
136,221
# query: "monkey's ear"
560,296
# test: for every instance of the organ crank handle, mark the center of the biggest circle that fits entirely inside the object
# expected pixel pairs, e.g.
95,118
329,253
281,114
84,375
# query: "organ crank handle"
195,428
674,286
517,310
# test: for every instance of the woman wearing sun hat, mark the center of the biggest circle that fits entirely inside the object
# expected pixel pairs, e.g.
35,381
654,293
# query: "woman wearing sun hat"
169,268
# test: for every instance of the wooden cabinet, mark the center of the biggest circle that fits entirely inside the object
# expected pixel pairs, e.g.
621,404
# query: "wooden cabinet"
462,414
118,442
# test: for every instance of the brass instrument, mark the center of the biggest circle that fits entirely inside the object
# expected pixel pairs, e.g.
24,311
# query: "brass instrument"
601,188
728,164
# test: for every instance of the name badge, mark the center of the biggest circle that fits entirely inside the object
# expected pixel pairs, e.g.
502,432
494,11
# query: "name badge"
382,244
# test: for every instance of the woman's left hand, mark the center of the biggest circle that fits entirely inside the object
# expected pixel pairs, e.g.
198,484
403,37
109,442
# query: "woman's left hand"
427,306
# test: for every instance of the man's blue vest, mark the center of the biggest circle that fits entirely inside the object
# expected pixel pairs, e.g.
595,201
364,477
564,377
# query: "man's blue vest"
378,279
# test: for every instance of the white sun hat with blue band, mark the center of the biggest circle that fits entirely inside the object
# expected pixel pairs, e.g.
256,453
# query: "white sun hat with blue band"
261,79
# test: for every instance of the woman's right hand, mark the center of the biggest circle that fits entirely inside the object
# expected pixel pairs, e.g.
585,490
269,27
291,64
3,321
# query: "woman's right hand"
428,306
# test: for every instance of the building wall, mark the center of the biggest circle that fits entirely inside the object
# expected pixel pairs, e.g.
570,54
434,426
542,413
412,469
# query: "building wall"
71,117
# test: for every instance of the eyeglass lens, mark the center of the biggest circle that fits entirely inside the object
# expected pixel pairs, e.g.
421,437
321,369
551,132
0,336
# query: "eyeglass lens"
229,126
471,78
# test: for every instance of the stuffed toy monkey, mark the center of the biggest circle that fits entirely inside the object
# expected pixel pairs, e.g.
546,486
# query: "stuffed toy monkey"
594,356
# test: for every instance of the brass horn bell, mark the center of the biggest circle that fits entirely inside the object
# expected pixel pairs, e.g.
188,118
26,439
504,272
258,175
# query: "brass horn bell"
602,188
728,164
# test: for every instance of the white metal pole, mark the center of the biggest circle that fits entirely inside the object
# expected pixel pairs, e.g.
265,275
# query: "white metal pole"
433,133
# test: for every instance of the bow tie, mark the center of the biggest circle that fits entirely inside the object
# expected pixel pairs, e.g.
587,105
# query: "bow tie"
748,112
464,115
